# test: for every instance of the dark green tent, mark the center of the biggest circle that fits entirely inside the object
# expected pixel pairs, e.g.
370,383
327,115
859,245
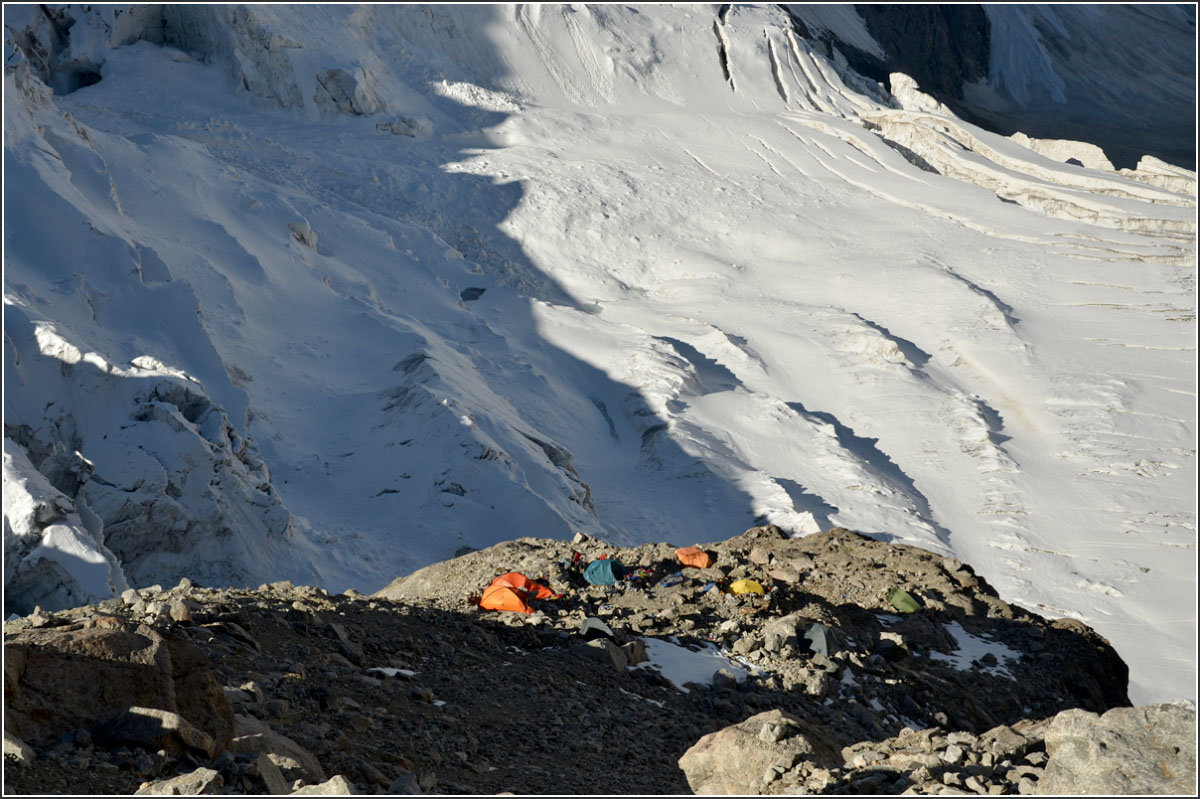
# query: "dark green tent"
604,572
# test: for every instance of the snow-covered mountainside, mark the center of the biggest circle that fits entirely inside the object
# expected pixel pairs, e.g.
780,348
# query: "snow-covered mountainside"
327,293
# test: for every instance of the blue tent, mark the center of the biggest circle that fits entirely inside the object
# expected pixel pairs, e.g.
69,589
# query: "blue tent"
604,572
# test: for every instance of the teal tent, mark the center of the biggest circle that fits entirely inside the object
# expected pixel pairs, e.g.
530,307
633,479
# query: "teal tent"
604,572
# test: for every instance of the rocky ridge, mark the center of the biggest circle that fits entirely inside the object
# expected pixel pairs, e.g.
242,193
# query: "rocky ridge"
416,690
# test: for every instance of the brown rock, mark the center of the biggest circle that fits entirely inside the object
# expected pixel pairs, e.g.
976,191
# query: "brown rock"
58,679
198,695
107,623
179,611
1004,741
732,760
785,575
635,652
604,649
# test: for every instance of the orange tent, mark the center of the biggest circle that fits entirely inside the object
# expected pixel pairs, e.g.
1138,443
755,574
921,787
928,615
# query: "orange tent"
511,592
694,556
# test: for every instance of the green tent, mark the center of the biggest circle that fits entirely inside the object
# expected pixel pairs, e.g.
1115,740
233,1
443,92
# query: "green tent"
902,601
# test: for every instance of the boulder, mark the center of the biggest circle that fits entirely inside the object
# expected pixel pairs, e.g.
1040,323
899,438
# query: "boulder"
334,786
58,679
194,783
271,776
201,781
252,737
783,631
603,649
1130,750
152,729
732,760
17,750
198,695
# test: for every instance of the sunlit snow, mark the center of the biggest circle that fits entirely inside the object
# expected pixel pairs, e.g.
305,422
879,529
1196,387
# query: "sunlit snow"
972,648
682,665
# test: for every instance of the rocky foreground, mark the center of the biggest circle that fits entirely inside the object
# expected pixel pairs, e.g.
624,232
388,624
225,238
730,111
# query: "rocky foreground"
287,689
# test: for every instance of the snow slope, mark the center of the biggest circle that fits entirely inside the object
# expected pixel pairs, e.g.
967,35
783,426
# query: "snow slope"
325,293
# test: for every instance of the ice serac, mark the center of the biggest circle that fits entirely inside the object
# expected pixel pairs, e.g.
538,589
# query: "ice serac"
168,487
51,558
328,293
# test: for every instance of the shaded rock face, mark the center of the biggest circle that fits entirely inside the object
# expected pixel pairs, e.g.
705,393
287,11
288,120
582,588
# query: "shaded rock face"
1138,750
940,46
1080,89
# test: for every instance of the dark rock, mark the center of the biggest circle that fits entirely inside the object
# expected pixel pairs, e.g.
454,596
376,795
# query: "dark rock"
152,729
404,784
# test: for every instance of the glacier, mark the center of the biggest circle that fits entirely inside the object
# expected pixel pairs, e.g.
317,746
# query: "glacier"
328,293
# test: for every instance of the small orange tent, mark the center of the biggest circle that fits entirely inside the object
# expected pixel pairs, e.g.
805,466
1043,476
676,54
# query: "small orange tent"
694,556
511,592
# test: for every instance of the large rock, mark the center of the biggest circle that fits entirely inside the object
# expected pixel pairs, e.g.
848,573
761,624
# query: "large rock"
252,737
1129,750
61,678
152,729
202,781
16,750
732,760
198,695
334,786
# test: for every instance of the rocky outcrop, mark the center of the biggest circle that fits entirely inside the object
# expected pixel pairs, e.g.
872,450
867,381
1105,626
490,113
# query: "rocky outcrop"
818,685
840,580
1040,71
1136,750
941,46
1127,751
119,682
